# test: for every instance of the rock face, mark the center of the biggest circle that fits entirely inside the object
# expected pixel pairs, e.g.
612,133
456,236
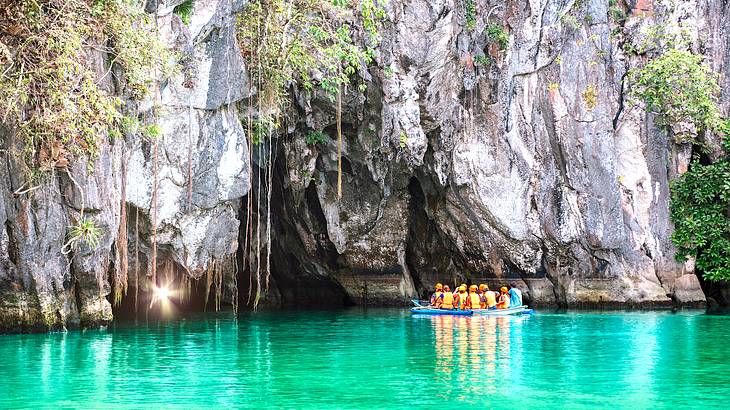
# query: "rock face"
464,161
467,163
687,290
202,174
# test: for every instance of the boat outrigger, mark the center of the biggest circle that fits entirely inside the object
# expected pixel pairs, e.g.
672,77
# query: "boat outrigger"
422,307
426,310
504,312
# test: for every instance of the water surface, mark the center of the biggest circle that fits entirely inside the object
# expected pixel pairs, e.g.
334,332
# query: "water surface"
377,358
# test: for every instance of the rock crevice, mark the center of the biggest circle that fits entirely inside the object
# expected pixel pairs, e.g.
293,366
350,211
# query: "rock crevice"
465,160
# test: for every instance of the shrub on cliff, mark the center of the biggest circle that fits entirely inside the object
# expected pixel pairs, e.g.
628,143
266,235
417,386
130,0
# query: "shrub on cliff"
50,92
681,88
700,210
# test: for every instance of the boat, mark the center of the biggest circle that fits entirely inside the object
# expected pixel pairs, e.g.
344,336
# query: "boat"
425,310
420,305
517,310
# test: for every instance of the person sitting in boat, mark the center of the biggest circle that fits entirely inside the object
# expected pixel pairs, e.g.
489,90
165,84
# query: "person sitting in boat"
515,295
460,298
503,298
438,295
490,298
482,288
447,299
456,291
473,301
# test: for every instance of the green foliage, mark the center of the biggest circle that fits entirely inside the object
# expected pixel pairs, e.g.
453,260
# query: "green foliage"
49,91
497,34
471,14
84,231
664,36
553,87
316,137
590,96
403,140
482,60
185,11
151,131
570,21
617,14
372,13
679,86
135,48
700,211
261,128
307,42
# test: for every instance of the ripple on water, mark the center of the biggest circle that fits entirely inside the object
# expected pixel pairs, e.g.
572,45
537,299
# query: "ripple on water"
377,358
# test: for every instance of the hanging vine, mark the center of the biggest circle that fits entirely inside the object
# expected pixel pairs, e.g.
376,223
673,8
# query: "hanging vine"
311,44
57,104
121,265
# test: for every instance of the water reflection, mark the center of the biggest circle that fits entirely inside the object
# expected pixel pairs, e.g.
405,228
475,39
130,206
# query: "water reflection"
474,354
376,359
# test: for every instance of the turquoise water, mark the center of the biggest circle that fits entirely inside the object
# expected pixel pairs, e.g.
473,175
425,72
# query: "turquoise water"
379,358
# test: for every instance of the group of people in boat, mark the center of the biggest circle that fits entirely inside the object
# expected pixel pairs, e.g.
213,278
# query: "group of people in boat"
480,297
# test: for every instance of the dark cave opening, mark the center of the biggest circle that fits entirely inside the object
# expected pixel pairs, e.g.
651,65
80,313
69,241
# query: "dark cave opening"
298,277
417,231
184,295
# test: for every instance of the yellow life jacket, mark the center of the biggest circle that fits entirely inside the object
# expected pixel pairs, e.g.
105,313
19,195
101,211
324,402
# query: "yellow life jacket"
491,298
435,297
448,301
476,301
462,300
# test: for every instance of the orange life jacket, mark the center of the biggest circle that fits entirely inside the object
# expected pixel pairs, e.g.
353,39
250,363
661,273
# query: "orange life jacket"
503,302
448,301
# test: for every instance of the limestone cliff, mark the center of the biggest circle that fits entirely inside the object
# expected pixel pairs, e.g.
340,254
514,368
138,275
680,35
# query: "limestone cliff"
463,161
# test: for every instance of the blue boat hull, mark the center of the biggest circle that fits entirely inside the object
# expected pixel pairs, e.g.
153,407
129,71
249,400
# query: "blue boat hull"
427,311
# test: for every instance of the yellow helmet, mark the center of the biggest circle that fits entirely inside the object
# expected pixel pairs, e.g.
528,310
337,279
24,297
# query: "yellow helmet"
462,288
503,289
473,288
483,287
439,286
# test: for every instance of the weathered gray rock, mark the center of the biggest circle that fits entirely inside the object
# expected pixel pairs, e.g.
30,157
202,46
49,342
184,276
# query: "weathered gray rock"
686,290
202,175
462,163
533,167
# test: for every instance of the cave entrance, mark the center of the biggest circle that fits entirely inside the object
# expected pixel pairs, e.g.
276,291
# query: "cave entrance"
300,276
175,295
717,293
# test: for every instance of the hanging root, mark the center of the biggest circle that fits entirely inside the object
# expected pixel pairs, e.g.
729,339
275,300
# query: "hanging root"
208,281
218,286
136,262
185,287
121,265
153,205
234,297
339,143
